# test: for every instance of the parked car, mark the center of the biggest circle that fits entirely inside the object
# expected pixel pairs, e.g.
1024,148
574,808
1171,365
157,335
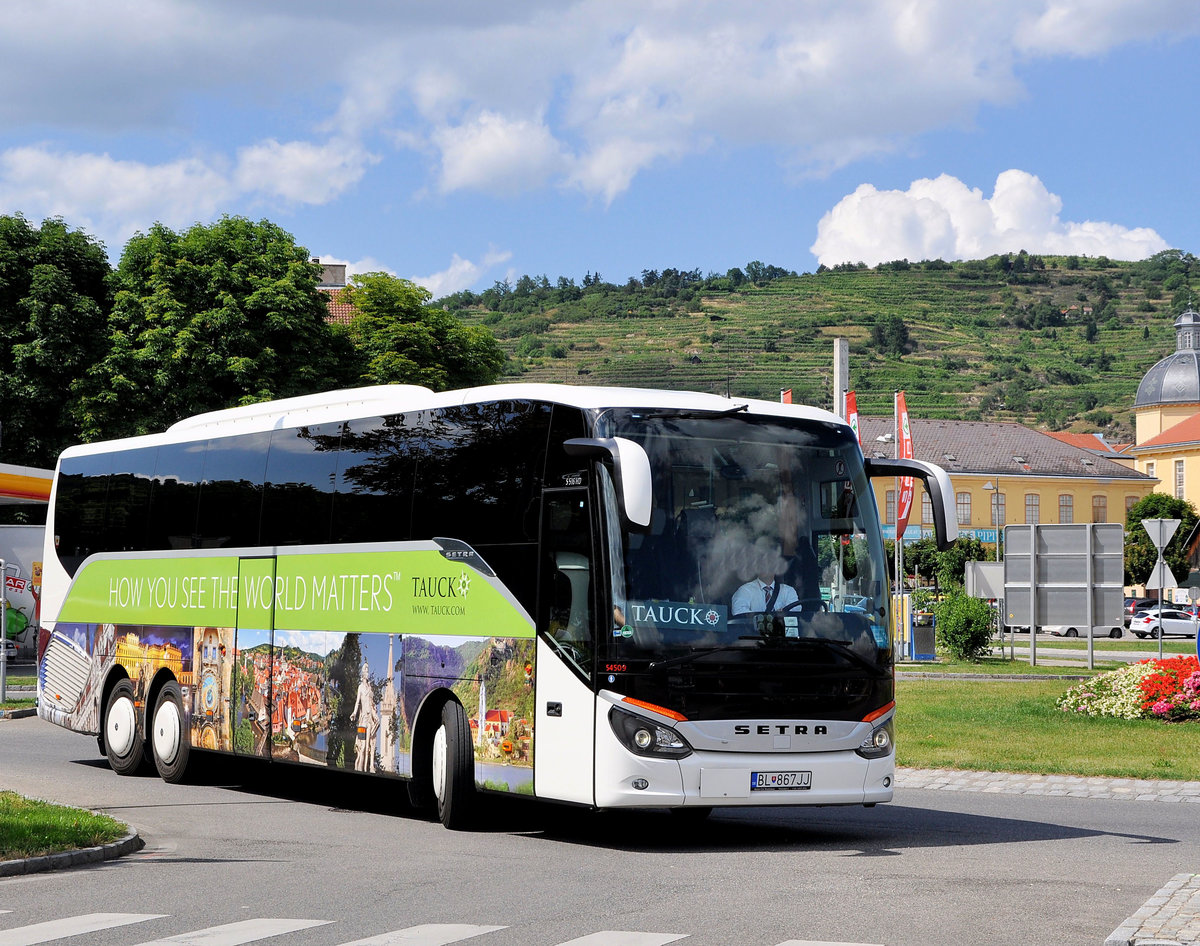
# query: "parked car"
1134,605
10,650
1169,622
1071,630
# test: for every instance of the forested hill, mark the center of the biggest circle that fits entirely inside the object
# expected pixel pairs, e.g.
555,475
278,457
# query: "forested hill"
1060,342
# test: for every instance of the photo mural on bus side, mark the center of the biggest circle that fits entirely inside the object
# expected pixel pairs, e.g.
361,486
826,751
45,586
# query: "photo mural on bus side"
348,701
323,698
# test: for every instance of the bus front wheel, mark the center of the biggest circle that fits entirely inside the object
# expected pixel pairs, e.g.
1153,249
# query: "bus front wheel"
454,768
123,744
169,741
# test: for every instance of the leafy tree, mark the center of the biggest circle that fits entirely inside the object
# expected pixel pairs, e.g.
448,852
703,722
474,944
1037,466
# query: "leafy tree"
213,317
890,335
1140,554
400,338
54,304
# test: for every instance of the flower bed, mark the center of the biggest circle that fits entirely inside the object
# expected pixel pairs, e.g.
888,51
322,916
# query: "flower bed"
1167,689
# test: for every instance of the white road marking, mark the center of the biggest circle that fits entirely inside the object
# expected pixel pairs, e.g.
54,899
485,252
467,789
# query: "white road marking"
620,938
815,942
427,934
234,934
71,926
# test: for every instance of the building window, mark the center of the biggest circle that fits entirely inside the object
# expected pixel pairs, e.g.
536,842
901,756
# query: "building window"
1179,479
1066,508
1099,509
1033,508
1130,502
889,513
1150,469
963,503
998,508
926,509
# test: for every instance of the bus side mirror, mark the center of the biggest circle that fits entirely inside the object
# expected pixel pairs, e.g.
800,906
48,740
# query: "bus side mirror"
937,485
631,471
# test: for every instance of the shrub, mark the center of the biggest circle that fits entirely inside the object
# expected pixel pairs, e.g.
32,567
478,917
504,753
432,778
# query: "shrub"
964,625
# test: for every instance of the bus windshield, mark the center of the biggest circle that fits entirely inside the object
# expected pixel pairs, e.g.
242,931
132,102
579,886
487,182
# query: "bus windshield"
764,533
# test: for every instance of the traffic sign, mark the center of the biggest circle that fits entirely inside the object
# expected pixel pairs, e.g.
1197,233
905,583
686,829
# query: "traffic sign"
1160,532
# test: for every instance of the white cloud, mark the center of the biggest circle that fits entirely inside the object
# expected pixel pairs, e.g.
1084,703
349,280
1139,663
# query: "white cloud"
943,218
461,273
300,171
580,93
109,197
494,153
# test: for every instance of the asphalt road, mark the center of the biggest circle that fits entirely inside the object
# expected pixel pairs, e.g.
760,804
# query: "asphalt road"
307,858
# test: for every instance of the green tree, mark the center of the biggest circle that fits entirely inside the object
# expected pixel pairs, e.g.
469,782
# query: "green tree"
54,304
1140,554
216,316
400,338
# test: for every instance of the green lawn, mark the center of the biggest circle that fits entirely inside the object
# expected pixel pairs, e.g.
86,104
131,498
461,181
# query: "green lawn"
30,828
1000,666
1013,726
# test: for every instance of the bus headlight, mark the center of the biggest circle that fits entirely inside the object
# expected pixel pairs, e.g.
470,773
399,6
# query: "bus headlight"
878,744
644,737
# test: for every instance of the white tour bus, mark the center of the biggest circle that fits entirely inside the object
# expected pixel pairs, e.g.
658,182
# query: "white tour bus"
538,589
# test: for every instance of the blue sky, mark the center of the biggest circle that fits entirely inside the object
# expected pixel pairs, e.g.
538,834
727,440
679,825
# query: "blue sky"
461,142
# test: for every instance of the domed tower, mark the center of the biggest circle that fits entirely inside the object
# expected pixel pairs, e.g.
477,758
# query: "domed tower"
1170,391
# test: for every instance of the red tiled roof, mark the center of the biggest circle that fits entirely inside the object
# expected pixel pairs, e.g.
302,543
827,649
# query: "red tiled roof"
340,312
1084,441
1185,432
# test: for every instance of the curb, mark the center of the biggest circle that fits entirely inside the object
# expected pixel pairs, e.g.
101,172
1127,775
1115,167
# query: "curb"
129,844
18,713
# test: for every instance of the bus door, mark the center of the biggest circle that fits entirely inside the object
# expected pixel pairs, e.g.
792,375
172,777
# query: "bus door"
565,704
256,708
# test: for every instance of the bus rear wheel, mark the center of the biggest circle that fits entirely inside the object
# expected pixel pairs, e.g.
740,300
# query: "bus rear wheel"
169,741
123,745
454,768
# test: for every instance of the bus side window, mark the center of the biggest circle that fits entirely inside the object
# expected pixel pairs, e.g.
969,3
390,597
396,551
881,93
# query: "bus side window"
565,611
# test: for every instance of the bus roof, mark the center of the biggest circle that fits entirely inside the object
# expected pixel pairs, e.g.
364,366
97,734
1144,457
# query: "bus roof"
376,400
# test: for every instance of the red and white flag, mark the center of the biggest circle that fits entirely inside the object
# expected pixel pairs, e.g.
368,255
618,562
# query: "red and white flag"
785,396
904,504
852,414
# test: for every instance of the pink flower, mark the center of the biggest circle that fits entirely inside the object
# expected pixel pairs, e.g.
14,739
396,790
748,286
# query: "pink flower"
1161,708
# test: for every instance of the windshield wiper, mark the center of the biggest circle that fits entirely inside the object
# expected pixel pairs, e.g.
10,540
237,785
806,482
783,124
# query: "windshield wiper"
839,647
694,654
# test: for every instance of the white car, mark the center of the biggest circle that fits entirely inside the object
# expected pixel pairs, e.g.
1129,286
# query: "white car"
10,650
1073,630
1169,622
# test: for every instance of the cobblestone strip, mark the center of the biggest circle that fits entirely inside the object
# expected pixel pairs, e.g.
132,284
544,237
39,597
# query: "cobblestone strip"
1170,918
1074,786
88,855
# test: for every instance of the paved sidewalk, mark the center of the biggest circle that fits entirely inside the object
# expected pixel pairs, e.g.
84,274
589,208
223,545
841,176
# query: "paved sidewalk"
1075,786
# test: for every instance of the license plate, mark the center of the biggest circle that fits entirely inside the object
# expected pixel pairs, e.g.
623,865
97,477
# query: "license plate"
770,781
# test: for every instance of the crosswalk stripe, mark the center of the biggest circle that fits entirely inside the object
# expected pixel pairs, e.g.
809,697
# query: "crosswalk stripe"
620,938
71,926
814,942
427,934
234,934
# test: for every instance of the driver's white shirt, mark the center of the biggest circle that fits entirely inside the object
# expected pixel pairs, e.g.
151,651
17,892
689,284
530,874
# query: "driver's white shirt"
752,596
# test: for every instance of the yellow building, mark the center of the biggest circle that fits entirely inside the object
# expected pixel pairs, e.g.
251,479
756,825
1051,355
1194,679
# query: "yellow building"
1167,416
1006,474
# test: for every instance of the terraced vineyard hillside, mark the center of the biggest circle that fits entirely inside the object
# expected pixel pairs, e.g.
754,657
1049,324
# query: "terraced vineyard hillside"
1057,342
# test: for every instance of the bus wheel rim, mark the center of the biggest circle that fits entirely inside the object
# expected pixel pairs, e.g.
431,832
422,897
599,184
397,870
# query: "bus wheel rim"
120,727
167,730
439,763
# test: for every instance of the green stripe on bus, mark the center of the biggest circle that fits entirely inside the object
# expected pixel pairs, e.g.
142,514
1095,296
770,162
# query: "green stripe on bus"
415,591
